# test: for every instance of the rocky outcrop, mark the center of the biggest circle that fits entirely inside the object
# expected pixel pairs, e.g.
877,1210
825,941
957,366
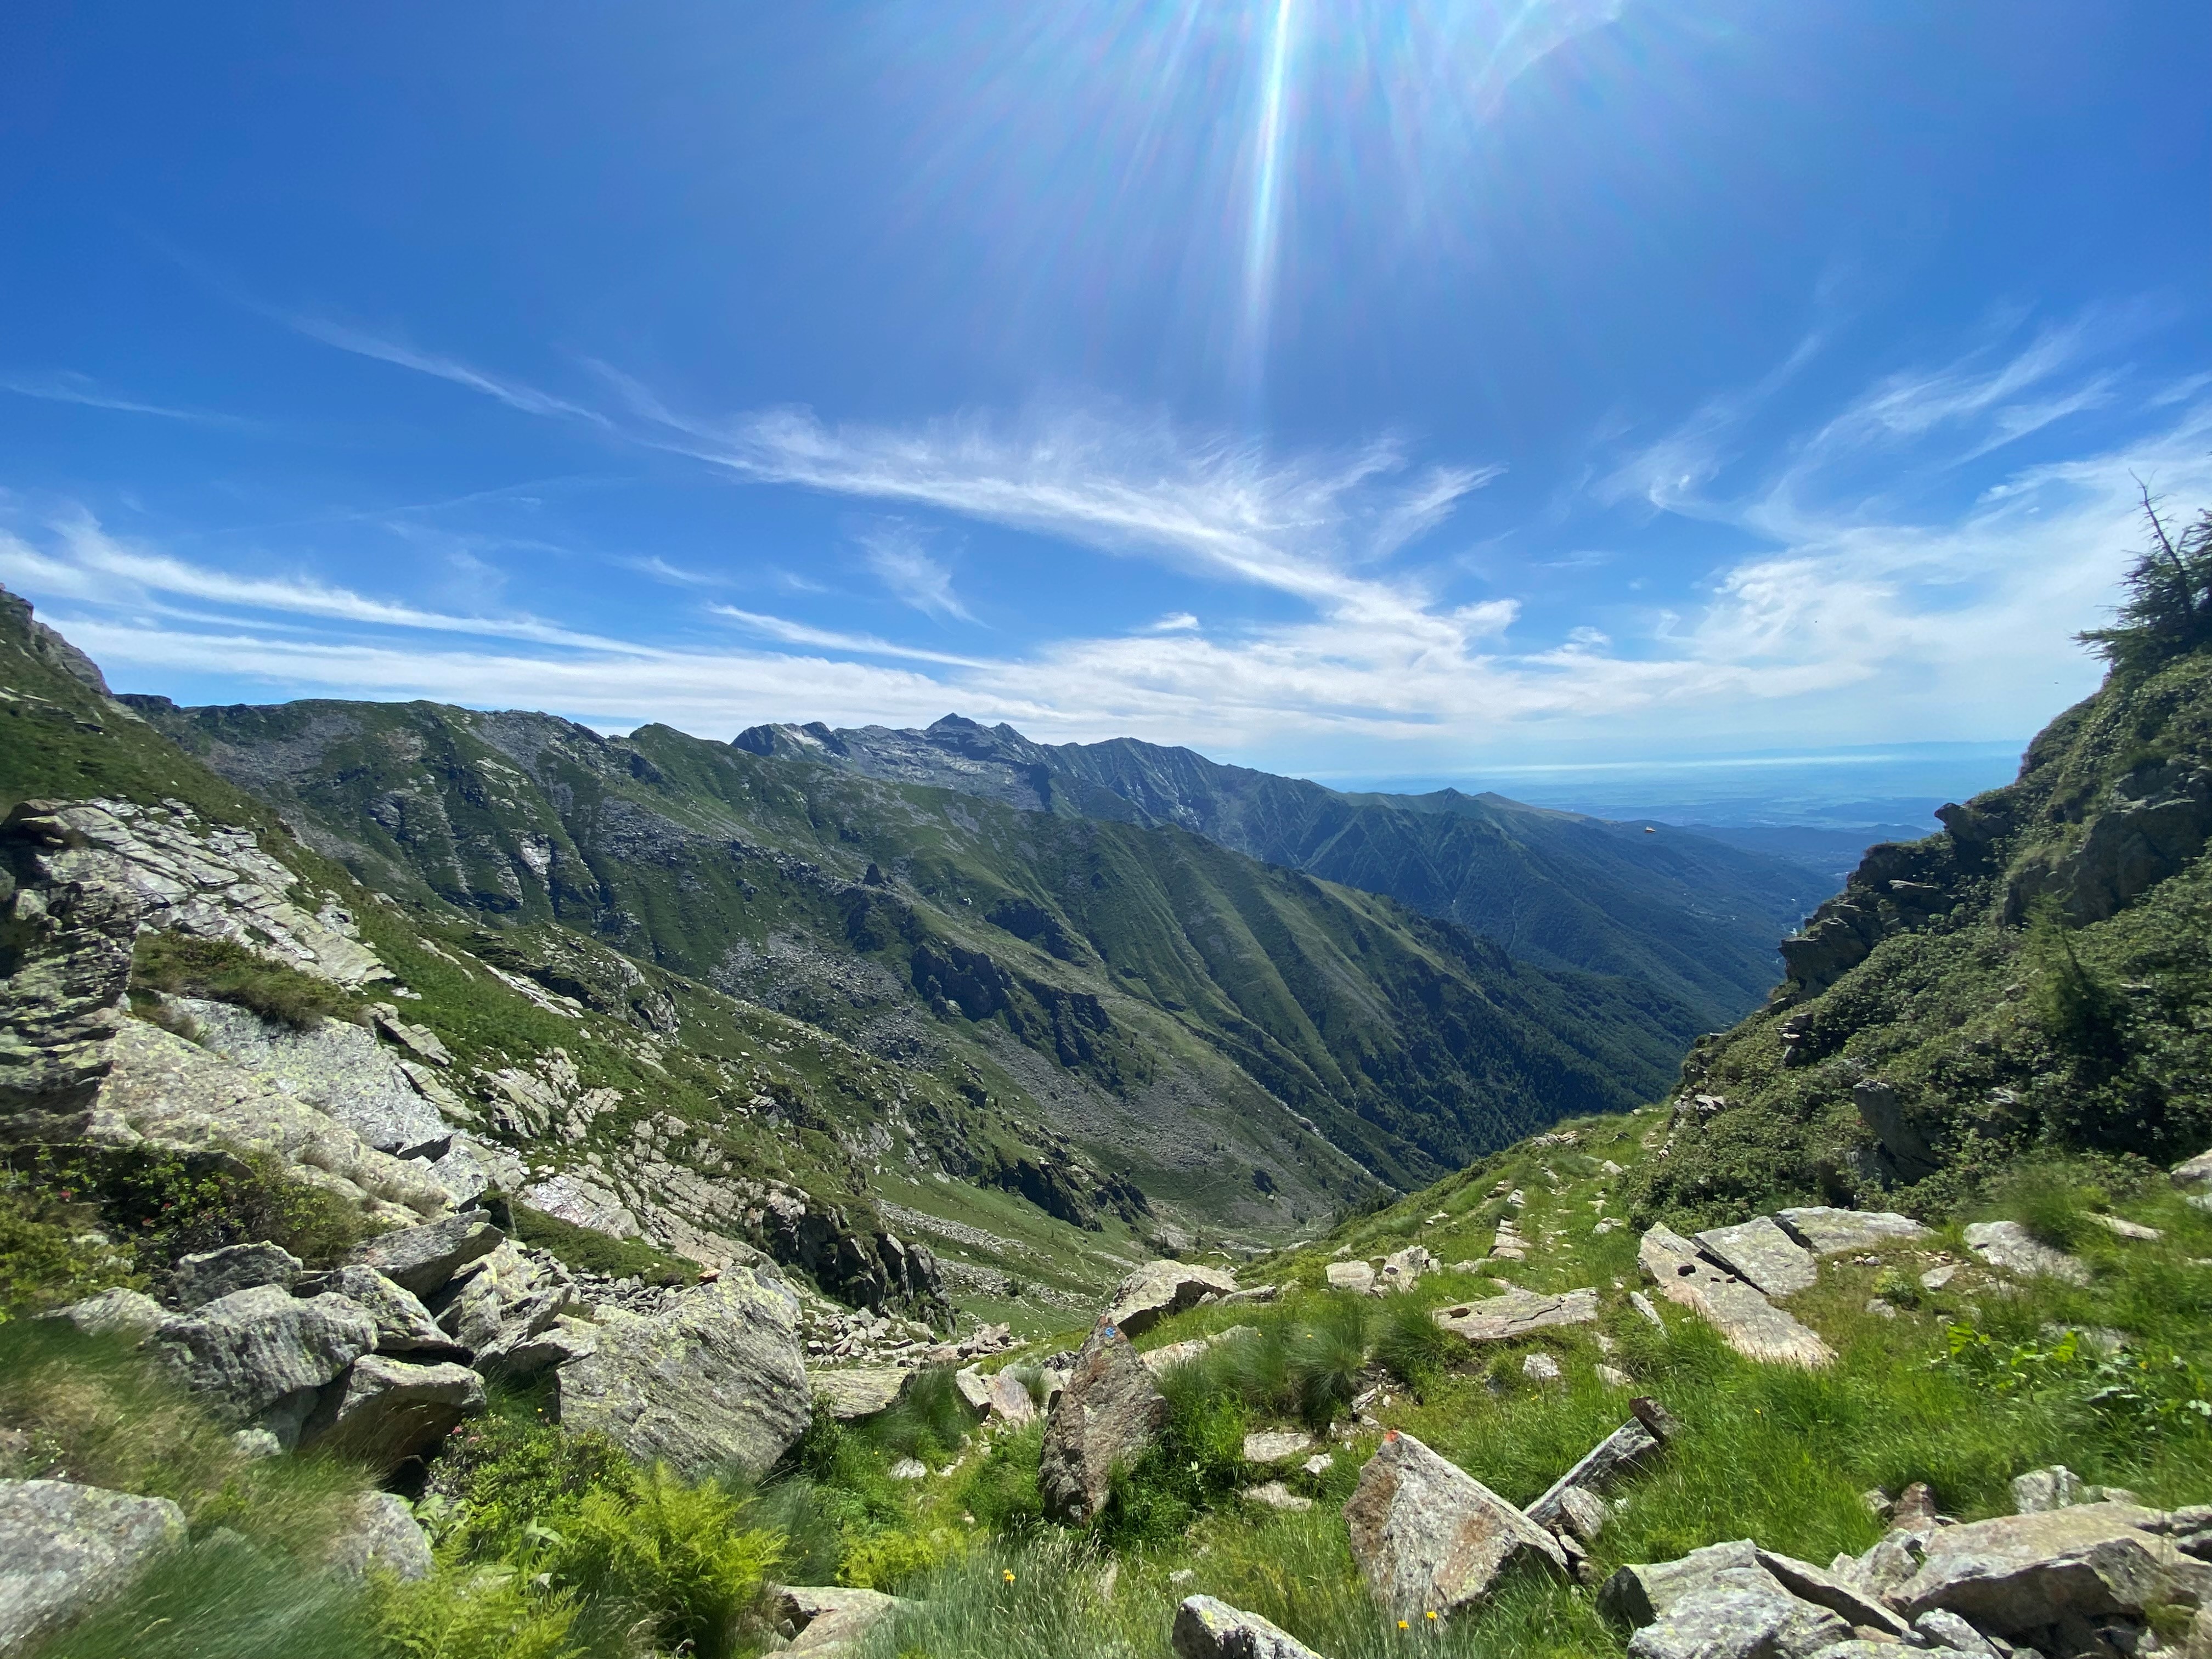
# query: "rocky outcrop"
502,1305
1159,1289
201,1278
1430,1538
260,1357
1753,1327
1517,1313
384,1410
1207,1629
1108,1413
334,1066
128,1314
1826,1231
2156,822
2018,1574
173,1094
1719,1603
718,1378
65,1548
403,1325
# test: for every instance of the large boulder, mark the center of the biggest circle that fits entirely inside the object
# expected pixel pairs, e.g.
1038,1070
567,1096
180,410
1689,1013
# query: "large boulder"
65,1547
1517,1313
1753,1327
381,1532
1430,1537
860,1392
717,1377
1109,1410
132,1315
421,1258
384,1411
1207,1629
1759,1253
1619,1451
1160,1288
198,1279
1722,1602
259,1357
2020,1572
403,1325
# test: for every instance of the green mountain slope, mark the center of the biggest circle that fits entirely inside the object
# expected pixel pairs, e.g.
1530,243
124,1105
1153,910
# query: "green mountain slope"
1691,915
2036,979
1236,1038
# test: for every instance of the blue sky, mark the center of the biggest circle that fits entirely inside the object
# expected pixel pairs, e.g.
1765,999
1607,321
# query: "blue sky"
1415,392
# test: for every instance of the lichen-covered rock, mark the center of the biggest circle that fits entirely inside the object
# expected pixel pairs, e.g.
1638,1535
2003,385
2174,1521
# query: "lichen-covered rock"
1619,1451
1723,1602
1207,1629
198,1279
1276,1445
1753,1327
384,1411
1402,1269
498,1305
260,1355
1107,1413
403,1325
717,1378
1761,1254
1430,1538
421,1258
1161,1288
65,1548
334,1066
1010,1399
1517,1313
1357,1277
382,1533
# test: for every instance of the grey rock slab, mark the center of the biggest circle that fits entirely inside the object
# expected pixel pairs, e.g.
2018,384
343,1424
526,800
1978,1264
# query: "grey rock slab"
252,1351
1276,1445
384,1411
1207,1629
421,1258
1761,1254
1809,1583
1944,1628
201,1278
1752,1622
1583,1513
1274,1495
65,1548
1430,1537
1752,1325
501,1301
1826,1231
335,1066
403,1325
2193,1171
1158,1289
973,1388
565,1341
830,1620
1623,1448
1357,1277
848,1395
2008,1245
116,1312
2019,1573
1108,1413
719,1377
381,1532
1641,1592
1402,1269
1517,1313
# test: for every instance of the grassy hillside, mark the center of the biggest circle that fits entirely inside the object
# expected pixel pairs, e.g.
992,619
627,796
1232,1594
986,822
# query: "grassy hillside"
1681,911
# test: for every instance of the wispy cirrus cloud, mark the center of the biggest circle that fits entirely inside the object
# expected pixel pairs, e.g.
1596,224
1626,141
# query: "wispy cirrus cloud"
516,394
899,553
68,386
